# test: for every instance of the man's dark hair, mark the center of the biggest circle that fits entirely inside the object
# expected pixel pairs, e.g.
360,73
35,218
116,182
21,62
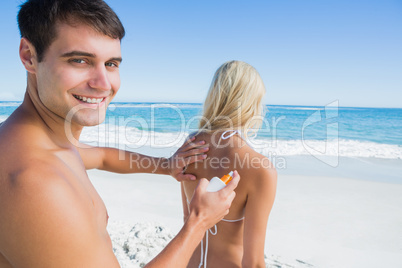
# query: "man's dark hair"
37,20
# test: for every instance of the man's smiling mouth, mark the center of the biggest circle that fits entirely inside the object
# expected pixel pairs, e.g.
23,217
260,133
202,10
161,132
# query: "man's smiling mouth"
88,100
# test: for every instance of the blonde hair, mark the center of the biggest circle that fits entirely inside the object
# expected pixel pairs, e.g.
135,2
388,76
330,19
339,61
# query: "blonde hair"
234,99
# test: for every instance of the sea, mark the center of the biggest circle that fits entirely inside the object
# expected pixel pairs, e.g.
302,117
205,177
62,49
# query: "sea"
286,130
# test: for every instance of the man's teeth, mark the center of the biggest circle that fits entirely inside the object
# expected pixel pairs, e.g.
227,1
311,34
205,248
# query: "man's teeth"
89,100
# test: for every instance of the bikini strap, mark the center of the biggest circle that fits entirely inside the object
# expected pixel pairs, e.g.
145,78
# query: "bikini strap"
233,220
203,260
234,132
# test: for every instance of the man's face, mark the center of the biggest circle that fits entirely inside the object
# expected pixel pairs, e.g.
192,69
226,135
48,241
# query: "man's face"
80,69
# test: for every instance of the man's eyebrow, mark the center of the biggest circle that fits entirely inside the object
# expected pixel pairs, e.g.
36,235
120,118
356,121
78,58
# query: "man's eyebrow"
119,59
78,53
86,54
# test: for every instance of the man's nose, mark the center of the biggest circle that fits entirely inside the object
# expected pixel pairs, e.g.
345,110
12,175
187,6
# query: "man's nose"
100,79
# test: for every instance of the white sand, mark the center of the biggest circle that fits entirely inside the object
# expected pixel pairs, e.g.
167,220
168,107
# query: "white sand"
135,245
337,222
317,221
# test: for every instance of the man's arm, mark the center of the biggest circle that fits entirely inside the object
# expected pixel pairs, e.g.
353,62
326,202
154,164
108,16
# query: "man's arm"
48,222
206,209
120,161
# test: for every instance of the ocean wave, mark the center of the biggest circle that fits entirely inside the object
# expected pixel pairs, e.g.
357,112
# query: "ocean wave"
341,147
132,138
129,105
313,108
294,108
148,105
10,104
188,105
3,118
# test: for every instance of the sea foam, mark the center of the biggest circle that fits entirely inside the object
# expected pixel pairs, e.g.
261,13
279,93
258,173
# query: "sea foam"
133,138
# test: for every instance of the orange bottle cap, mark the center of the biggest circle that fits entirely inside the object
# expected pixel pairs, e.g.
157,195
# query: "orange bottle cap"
227,178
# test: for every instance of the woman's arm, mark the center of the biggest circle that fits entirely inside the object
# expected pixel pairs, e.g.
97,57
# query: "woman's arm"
260,198
120,161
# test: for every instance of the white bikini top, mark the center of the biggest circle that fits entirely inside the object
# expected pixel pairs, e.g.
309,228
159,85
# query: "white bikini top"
242,218
203,260
231,132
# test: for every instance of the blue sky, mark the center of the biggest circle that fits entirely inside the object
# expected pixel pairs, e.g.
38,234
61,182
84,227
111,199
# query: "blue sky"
308,52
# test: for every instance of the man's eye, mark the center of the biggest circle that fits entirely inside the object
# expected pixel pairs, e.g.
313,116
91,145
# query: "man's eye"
81,61
111,64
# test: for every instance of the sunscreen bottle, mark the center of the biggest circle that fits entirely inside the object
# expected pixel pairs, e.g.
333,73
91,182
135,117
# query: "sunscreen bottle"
216,184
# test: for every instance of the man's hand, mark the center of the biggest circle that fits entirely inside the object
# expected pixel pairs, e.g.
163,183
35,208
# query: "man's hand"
211,207
188,153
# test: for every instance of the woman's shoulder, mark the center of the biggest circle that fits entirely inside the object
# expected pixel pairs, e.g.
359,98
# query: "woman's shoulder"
257,168
199,135
238,151
217,141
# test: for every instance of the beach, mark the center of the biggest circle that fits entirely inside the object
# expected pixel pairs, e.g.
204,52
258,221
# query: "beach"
347,216
311,86
339,193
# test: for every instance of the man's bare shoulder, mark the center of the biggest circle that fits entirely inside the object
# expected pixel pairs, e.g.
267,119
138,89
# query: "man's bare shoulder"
45,220
24,166
32,187
43,171
23,146
30,164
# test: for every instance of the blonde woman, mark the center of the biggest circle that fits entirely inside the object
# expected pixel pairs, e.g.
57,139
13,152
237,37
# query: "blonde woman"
233,110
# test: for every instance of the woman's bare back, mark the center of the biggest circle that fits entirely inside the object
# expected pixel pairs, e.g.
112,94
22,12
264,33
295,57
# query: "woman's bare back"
226,248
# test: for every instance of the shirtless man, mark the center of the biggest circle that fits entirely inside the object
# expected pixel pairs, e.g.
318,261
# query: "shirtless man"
51,215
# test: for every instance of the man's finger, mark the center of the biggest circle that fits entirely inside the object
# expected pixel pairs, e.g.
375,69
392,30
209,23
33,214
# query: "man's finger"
202,185
189,141
195,151
186,177
195,158
193,145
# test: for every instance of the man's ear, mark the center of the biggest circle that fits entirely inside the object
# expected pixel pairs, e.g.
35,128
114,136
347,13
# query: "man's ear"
28,55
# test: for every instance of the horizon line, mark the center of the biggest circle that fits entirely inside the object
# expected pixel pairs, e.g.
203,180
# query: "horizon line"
200,103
